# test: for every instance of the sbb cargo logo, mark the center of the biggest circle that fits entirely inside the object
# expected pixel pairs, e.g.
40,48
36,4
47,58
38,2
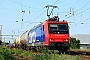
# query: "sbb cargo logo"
32,37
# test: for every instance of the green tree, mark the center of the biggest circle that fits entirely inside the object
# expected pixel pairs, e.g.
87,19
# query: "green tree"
74,44
78,44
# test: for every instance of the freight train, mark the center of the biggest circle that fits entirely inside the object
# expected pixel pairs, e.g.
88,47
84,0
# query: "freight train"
52,34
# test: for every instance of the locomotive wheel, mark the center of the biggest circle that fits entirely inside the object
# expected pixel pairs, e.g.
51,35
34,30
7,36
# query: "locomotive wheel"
33,49
24,46
40,49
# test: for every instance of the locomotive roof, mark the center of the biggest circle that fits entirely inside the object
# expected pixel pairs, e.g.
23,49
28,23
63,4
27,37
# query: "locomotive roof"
48,21
54,19
36,27
56,22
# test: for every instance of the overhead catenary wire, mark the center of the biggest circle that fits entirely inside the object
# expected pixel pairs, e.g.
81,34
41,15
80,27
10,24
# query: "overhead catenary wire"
10,9
75,5
22,5
8,28
55,2
22,14
42,13
83,11
83,6
45,10
79,9
72,11
2,2
41,2
83,22
19,4
82,14
25,5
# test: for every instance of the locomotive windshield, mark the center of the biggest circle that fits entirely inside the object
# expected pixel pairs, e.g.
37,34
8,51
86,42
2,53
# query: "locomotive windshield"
58,28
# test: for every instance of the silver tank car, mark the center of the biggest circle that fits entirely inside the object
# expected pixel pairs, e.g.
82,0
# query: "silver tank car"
24,39
17,41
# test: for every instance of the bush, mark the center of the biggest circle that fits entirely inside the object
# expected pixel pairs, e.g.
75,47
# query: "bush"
74,44
5,54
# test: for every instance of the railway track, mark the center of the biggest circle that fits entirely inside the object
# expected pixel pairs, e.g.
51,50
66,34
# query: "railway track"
85,55
70,52
79,53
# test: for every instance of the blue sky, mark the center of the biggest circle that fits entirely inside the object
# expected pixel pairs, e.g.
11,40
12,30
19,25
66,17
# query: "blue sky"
11,11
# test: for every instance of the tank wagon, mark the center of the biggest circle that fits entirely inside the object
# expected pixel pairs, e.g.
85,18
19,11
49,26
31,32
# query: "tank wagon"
17,41
24,39
52,33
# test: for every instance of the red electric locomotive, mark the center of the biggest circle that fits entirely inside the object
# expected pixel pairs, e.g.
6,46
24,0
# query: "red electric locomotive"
52,34
56,34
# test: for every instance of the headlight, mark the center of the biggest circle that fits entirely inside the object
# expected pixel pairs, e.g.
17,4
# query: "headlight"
66,40
51,39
